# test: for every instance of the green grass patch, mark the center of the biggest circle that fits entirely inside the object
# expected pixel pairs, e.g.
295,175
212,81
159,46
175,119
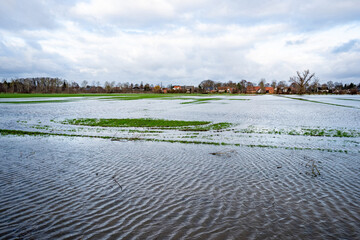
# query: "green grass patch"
349,99
133,122
314,132
150,123
216,126
45,127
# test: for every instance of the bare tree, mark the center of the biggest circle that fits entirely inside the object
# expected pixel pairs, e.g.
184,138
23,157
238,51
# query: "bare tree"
242,85
262,85
207,85
84,84
273,84
331,85
302,80
314,87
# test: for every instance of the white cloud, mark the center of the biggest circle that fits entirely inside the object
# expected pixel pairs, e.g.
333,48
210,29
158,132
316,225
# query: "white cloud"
125,12
185,44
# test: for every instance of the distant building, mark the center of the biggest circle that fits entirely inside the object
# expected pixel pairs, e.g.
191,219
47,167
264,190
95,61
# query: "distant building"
226,89
189,89
269,90
253,90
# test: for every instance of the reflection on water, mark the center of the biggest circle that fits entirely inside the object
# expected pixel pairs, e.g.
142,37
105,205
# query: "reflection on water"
61,187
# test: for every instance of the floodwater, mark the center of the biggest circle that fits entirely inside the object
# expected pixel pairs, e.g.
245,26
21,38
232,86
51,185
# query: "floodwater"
257,185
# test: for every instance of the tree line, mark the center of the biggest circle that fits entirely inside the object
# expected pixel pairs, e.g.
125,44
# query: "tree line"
302,83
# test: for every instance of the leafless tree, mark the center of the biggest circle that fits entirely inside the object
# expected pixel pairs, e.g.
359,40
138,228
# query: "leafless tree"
262,85
302,80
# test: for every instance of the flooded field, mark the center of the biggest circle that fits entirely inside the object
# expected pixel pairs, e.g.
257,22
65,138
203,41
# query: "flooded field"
276,167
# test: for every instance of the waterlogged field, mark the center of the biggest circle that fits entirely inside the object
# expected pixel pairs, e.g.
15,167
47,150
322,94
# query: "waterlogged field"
179,167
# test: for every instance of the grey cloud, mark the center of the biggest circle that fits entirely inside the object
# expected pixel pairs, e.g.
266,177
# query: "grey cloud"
17,14
30,60
174,48
352,45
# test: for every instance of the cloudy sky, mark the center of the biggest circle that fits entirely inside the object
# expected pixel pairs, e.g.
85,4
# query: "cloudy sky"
180,41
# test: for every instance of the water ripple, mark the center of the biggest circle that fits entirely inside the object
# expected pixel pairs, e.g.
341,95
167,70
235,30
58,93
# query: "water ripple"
67,188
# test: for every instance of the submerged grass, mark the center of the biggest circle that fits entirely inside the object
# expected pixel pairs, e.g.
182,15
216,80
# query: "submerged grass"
133,122
5,132
150,123
215,126
349,99
314,132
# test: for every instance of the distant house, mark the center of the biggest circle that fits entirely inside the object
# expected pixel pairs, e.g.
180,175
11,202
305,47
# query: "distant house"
225,89
189,89
269,90
177,87
253,90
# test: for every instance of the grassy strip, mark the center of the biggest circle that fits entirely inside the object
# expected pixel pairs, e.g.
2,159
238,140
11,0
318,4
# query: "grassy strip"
133,122
150,123
32,102
47,95
110,95
349,99
307,100
314,132
216,126
29,133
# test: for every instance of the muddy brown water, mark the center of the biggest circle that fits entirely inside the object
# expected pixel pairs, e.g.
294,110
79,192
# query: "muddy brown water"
67,188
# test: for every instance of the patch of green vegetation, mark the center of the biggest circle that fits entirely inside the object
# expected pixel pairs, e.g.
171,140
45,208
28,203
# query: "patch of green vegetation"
308,100
5,132
314,132
34,102
216,126
143,131
46,127
21,121
195,126
133,122
349,99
